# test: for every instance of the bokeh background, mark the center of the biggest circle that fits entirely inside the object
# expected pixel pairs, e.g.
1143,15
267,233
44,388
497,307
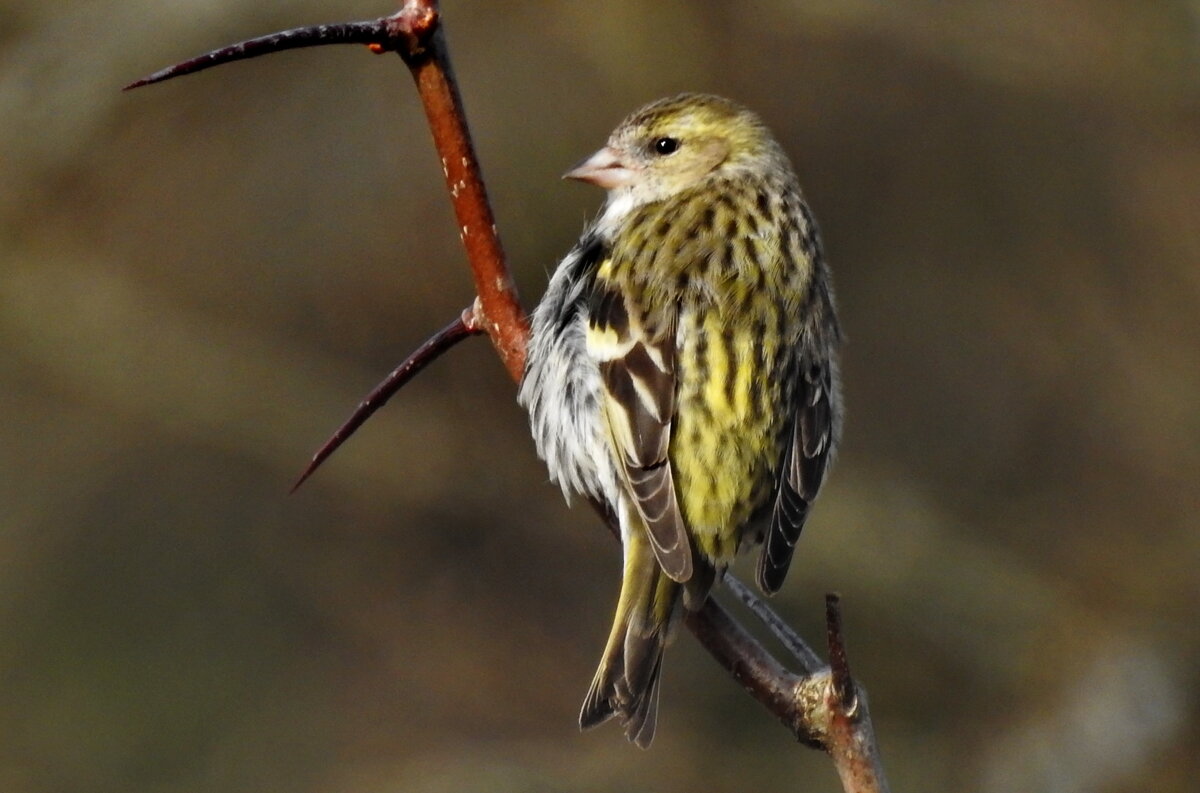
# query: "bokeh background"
199,280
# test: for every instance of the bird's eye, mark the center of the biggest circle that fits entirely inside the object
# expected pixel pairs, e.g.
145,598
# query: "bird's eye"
665,146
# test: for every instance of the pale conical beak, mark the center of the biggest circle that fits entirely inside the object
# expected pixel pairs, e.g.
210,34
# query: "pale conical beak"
603,169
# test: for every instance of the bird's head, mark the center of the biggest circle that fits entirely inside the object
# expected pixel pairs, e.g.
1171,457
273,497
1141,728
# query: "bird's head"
674,144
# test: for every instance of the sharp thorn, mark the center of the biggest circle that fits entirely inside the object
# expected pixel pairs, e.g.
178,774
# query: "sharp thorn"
374,33
426,354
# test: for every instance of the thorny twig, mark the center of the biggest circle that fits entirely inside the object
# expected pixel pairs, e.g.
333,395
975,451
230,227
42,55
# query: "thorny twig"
822,707
466,324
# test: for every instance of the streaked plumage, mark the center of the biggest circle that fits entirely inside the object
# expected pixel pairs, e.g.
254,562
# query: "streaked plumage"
682,369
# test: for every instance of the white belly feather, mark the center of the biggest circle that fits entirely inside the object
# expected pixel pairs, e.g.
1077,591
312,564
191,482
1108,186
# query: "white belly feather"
561,390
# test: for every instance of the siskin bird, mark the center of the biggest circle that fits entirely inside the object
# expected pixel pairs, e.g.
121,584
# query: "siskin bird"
682,370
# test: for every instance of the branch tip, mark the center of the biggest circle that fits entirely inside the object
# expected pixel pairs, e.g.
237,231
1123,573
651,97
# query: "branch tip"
373,32
839,664
407,32
437,344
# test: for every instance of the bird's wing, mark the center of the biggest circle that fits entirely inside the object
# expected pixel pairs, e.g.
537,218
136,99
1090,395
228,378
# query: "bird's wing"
637,369
804,461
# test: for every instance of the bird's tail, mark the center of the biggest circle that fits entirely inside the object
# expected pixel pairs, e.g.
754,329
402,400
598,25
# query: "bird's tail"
626,684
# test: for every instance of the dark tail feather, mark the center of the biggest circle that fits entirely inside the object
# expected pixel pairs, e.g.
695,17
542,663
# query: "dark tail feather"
639,726
627,682
600,704
628,691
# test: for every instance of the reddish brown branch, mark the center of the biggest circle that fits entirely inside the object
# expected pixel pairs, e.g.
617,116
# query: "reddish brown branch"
441,342
849,736
500,308
763,677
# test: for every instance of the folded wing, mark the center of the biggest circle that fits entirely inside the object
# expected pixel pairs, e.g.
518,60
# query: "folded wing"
803,469
637,369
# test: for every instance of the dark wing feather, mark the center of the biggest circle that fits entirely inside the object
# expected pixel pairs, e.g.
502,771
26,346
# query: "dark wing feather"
637,369
804,461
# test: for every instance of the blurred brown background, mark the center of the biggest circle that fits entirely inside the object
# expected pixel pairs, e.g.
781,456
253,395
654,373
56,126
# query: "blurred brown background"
199,280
